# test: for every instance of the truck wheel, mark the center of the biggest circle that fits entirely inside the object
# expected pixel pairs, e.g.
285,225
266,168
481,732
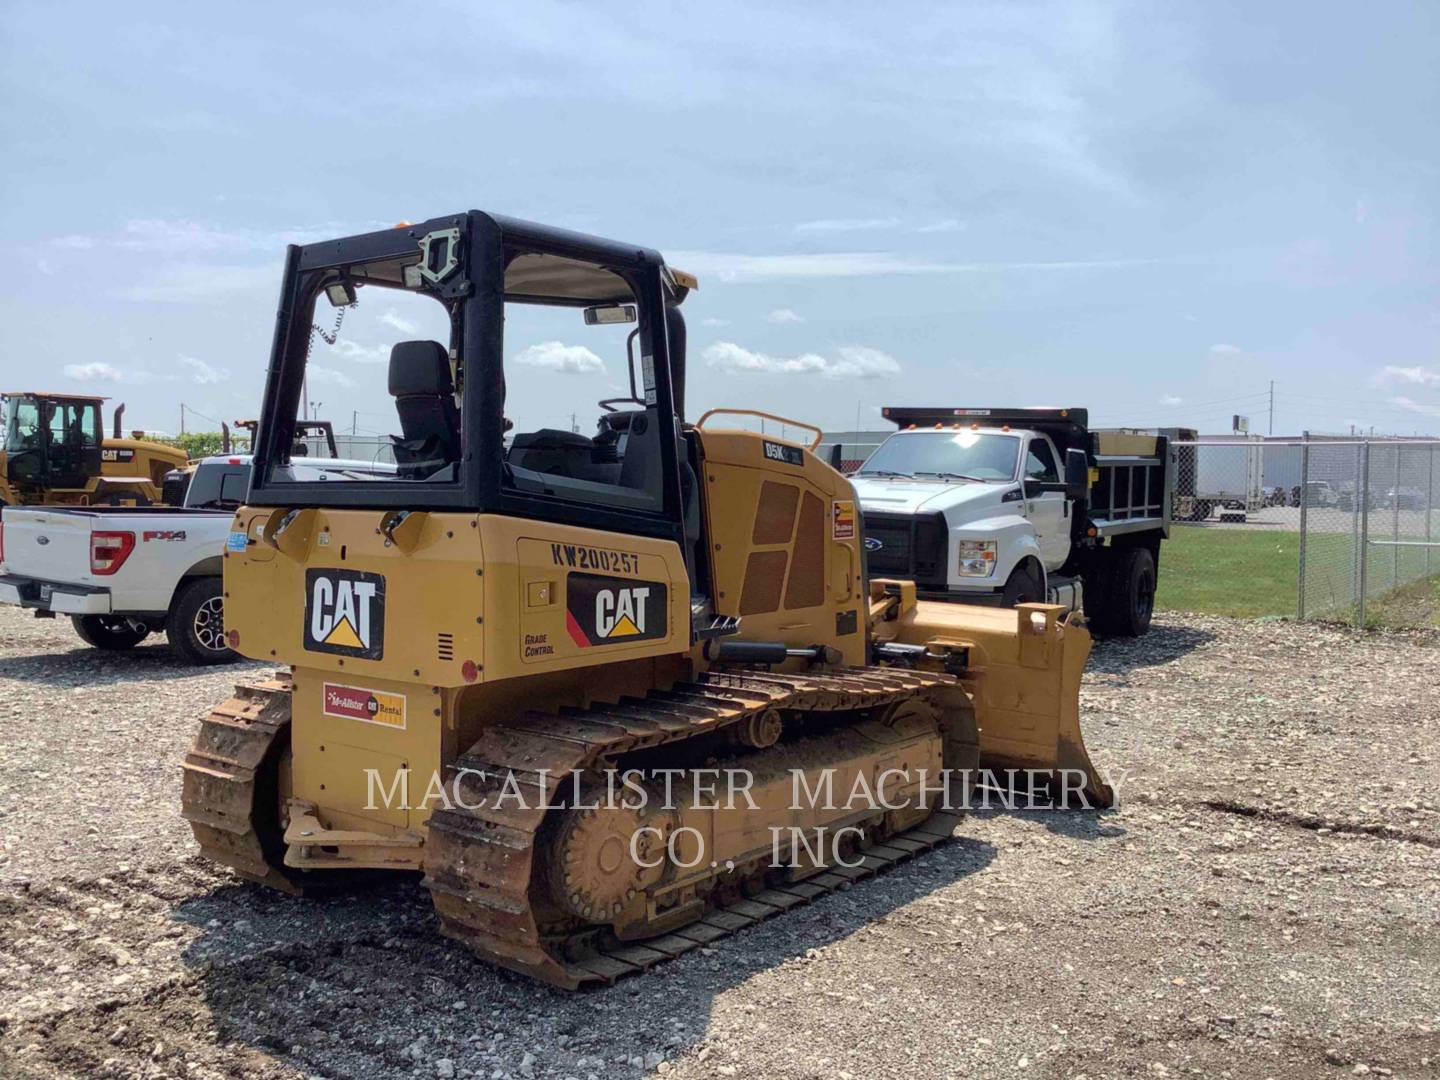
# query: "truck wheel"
1125,597
1024,587
112,632
196,624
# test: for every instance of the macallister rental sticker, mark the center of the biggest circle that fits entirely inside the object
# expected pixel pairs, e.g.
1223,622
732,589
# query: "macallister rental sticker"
367,706
842,520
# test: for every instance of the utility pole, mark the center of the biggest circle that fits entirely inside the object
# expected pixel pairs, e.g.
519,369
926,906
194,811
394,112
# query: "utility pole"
1272,407
354,420
182,418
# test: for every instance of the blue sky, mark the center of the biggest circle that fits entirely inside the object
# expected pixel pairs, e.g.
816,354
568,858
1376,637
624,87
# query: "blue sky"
1152,210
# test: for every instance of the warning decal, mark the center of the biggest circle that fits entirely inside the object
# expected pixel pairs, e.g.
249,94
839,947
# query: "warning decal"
842,518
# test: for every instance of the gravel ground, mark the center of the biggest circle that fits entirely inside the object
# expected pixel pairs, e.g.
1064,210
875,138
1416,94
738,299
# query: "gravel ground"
1264,903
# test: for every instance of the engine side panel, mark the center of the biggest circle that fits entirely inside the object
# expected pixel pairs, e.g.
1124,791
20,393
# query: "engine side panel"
784,543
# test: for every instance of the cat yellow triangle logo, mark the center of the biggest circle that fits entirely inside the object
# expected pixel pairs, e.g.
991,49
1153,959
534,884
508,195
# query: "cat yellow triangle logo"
623,628
344,634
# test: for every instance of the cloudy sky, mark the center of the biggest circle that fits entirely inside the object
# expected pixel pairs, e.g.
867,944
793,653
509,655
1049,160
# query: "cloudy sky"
1152,210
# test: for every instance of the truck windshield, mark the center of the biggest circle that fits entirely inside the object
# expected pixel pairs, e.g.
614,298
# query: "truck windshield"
967,455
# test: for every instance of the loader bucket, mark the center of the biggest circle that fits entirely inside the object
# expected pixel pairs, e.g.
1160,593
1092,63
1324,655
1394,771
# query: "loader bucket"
1021,667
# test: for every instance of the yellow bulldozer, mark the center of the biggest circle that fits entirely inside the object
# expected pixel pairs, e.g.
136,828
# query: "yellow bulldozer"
615,696
55,451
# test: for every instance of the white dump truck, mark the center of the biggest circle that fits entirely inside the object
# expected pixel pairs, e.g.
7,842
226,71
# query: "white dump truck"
1005,506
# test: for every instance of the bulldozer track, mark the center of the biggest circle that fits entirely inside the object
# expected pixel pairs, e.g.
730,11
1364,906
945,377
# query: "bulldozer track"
223,777
480,863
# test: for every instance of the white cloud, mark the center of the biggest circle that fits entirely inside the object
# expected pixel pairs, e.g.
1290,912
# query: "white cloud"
714,322
94,371
328,375
1170,399
395,321
944,226
189,283
179,235
555,356
203,373
1225,350
863,362
849,361
1415,406
730,267
781,316
1417,376
847,224
361,354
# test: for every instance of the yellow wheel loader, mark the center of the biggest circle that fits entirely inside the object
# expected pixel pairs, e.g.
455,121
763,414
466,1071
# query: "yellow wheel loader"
55,452
615,696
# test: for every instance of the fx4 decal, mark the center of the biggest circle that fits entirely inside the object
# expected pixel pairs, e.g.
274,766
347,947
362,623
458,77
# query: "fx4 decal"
345,613
602,610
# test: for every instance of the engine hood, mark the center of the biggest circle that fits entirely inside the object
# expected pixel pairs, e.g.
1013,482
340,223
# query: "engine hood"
914,496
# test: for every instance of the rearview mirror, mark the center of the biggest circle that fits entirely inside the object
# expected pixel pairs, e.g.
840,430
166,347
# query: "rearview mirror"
1077,474
611,314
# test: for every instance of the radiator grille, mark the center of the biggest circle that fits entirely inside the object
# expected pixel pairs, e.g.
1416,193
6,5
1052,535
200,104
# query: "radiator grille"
914,547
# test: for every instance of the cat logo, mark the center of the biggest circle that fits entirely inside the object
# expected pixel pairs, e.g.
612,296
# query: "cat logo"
603,610
345,613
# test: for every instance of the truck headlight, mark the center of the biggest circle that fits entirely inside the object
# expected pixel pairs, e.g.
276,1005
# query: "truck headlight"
977,558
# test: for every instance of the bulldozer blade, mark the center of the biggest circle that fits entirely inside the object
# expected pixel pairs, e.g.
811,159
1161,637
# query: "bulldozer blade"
1021,668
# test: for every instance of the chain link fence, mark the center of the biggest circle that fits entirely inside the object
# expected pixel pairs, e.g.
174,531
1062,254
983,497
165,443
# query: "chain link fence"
1317,528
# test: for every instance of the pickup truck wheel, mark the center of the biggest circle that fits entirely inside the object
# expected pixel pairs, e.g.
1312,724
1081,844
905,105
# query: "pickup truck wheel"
1024,587
196,624
112,632
1125,599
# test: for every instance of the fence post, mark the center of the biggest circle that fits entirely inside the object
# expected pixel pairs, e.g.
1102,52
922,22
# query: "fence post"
1395,524
1364,500
1355,513
1304,510
1430,509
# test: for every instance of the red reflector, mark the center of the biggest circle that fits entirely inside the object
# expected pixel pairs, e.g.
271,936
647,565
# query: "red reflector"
109,550
468,671
232,638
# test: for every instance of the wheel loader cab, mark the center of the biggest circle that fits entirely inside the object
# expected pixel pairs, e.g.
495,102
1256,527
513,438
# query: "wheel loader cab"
52,441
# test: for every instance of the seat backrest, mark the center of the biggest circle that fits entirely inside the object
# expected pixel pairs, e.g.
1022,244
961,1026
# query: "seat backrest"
424,396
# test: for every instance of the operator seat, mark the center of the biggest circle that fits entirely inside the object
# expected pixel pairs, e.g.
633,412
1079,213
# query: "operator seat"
424,396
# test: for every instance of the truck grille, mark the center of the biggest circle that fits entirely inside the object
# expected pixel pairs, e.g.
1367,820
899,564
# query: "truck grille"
910,546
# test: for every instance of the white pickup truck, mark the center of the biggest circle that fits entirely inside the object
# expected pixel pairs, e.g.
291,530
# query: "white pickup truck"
1005,506
122,573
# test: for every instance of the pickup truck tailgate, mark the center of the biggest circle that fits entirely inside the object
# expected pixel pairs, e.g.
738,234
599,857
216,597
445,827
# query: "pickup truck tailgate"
48,544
